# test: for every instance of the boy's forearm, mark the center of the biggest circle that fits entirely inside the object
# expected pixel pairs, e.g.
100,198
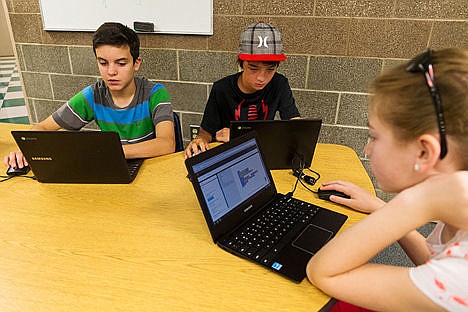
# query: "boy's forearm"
151,148
47,124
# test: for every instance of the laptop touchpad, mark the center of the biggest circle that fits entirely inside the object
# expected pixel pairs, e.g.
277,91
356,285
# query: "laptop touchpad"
312,238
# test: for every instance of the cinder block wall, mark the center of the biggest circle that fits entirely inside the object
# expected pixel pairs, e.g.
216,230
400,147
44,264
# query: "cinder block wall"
334,48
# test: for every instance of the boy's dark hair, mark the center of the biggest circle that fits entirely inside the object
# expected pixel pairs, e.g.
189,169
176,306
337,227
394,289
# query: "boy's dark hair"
116,34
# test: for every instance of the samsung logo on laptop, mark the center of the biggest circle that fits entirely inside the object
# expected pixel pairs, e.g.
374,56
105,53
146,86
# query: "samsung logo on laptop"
248,208
41,158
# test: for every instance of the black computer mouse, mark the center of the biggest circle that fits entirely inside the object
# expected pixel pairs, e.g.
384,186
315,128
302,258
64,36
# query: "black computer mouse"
325,194
18,171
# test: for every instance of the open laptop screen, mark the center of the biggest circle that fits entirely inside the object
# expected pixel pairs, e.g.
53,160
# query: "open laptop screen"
285,144
231,177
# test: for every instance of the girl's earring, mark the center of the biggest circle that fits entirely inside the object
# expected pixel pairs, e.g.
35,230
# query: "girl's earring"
417,167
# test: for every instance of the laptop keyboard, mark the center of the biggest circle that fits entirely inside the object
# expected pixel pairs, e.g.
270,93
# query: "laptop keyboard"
268,232
133,166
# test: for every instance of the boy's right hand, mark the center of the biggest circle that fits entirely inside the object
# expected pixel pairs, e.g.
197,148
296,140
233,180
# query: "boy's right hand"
196,146
15,160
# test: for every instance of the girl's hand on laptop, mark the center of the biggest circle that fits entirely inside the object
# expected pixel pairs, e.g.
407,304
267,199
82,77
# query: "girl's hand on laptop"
361,200
15,160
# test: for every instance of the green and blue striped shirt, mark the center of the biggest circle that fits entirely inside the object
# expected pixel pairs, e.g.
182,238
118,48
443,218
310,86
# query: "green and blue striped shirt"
135,123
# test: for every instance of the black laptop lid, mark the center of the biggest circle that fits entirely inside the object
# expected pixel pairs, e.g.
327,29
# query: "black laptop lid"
231,183
74,156
285,143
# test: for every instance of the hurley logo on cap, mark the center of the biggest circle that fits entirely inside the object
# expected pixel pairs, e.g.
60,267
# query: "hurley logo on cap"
261,42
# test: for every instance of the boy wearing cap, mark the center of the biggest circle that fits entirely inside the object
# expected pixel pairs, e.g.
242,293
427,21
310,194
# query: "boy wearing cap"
255,93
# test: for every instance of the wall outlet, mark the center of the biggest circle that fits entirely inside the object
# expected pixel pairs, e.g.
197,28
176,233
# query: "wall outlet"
194,131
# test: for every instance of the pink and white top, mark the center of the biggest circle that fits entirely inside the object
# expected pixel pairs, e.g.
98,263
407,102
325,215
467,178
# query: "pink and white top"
444,277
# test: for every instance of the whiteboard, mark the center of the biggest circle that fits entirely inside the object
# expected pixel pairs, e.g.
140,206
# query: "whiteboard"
168,16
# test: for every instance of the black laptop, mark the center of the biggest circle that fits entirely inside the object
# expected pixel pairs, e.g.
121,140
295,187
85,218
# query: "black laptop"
286,144
76,156
247,217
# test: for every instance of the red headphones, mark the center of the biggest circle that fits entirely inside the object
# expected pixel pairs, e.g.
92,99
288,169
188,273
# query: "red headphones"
237,111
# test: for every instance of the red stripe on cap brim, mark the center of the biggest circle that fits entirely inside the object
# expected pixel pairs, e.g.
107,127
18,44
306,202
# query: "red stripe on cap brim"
262,57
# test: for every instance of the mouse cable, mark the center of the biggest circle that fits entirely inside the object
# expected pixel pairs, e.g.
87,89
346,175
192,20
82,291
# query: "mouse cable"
301,165
6,178
290,194
298,158
304,185
298,172
307,178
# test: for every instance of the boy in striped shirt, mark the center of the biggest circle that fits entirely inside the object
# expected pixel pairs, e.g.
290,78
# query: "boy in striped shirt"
137,109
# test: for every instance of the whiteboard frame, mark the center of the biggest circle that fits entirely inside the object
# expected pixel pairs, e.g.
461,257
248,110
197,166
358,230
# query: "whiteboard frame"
73,15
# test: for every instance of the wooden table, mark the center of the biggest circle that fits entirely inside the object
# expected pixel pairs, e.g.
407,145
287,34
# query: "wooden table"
143,246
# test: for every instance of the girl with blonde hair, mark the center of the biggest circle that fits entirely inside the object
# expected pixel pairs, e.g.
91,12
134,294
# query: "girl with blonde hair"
418,148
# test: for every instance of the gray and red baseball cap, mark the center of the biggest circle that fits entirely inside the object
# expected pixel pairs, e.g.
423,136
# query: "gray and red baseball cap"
261,42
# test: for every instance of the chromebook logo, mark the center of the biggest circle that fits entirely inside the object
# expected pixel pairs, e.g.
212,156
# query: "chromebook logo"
23,138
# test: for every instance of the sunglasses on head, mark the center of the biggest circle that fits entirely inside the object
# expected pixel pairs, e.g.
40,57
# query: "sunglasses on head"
423,64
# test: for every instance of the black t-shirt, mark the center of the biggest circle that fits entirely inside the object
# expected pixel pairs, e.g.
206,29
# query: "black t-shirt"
227,102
